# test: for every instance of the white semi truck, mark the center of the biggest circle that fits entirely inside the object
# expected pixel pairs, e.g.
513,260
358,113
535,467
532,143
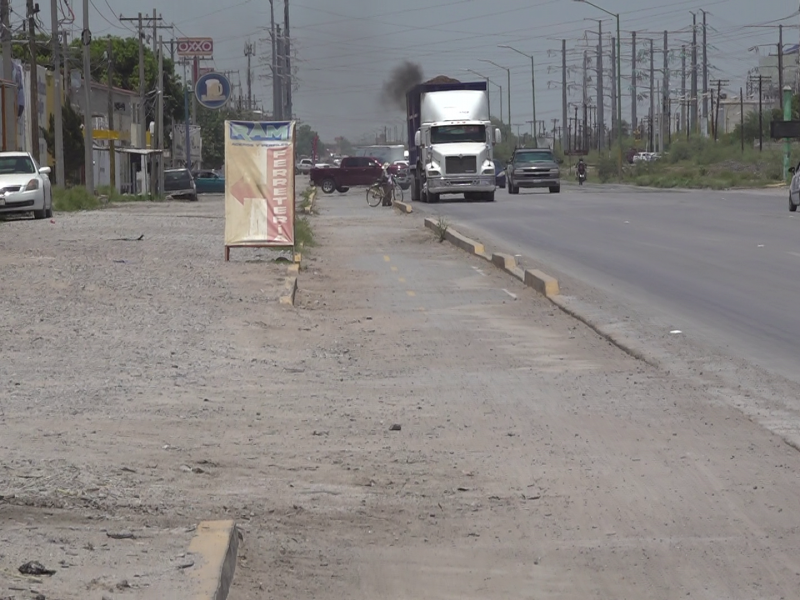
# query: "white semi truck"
451,141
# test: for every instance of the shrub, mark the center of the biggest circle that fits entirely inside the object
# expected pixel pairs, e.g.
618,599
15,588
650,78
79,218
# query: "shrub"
74,199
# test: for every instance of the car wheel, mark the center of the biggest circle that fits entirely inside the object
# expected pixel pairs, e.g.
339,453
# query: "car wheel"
488,197
342,190
328,186
792,205
193,198
49,212
41,214
555,190
512,189
431,198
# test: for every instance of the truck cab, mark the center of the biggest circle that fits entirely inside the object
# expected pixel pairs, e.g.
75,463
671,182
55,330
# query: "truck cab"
453,141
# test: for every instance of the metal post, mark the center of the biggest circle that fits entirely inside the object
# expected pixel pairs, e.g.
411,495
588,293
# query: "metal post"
154,135
533,97
665,119
619,95
634,98
10,100
652,94
705,76
34,82
787,116
160,118
601,122
564,119
112,151
87,88
186,118
693,107
760,116
142,112
58,115
508,97
741,116
613,86
684,122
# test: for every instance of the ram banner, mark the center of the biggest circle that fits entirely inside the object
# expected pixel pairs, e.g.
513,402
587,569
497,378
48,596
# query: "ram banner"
259,184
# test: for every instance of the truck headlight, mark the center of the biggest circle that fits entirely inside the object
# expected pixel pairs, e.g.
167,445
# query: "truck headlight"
434,173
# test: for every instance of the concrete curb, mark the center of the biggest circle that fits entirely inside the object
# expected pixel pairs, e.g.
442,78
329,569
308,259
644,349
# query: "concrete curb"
539,281
216,543
312,198
290,284
403,207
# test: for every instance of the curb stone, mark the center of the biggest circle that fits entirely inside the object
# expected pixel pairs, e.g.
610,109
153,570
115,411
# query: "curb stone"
403,207
534,278
216,543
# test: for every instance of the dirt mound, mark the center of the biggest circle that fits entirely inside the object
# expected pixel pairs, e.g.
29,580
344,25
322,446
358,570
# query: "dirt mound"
443,79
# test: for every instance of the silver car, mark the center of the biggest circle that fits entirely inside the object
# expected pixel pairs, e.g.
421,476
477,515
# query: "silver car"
24,186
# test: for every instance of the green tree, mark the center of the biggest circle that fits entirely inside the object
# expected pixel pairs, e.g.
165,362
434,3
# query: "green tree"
73,142
304,141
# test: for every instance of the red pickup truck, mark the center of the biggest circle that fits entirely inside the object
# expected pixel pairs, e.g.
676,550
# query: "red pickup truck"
353,170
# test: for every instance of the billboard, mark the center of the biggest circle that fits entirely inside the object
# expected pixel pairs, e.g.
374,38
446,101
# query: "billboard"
259,184
190,47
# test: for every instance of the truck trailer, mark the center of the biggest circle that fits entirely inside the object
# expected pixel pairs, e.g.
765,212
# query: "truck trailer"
451,141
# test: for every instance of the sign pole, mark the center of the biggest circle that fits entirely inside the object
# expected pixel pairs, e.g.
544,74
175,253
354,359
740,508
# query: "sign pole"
787,116
186,117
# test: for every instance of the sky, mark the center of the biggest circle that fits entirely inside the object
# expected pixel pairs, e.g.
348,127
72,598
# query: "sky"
346,49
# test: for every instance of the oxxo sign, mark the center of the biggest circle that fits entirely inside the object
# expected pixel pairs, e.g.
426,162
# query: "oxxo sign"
199,47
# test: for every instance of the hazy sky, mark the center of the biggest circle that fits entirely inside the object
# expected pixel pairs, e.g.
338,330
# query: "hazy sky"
346,49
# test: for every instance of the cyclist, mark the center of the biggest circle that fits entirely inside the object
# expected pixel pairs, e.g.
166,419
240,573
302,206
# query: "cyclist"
386,181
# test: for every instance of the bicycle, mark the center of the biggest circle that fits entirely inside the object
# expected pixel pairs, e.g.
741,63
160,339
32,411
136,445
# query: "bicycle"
377,191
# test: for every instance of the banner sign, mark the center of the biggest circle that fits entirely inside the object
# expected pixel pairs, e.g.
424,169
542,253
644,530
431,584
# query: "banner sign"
259,183
190,47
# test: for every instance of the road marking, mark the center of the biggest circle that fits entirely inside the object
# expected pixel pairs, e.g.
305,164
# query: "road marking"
386,258
401,279
410,293
514,296
393,268
479,271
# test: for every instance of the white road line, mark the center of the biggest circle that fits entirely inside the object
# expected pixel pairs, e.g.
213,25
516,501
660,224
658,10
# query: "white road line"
514,296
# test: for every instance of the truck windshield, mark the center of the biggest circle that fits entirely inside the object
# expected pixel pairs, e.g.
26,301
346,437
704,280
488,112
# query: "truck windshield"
450,134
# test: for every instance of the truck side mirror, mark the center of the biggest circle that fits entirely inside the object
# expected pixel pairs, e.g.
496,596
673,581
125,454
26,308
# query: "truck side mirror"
417,138
498,137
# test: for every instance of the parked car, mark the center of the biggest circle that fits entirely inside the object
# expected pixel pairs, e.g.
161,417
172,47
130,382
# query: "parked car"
209,182
533,168
24,186
179,183
499,174
354,170
794,188
304,165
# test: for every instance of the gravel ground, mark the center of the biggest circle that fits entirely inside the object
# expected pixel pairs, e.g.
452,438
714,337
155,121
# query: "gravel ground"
532,459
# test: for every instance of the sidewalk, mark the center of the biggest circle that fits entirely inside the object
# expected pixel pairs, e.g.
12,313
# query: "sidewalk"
420,426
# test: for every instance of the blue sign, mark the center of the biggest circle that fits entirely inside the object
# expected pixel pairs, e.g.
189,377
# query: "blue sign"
213,90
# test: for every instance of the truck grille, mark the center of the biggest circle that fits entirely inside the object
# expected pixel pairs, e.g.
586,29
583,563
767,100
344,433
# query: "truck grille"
460,164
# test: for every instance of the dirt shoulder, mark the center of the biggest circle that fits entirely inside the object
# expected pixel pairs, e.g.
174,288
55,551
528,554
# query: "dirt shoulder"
533,459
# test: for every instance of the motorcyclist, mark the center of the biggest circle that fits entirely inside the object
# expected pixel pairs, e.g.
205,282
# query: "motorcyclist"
581,167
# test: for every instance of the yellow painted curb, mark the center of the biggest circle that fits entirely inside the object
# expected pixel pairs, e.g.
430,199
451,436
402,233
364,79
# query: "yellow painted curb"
215,544
541,282
403,207
289,291
312,197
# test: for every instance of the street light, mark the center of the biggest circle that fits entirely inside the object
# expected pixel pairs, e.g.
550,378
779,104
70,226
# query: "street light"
508,89
500,87
533,83
619,79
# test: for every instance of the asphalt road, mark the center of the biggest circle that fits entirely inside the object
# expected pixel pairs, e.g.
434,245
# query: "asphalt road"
725,266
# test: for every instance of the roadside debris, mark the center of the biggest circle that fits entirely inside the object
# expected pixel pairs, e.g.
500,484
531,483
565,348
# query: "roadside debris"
35,568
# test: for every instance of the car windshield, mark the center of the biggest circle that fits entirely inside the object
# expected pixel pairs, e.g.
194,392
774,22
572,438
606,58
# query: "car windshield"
449,134
16,165
534,157
177,177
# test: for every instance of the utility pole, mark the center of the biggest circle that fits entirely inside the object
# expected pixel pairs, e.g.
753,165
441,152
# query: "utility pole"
34,87
665,120
10,110
58,115
67,71
780,57
585,99
719,83
287,60
154,135
274,63
160,115
705,76
634,98
279,73
600,89
684,124
249,51
760,116
142,108
693,107
565,123
741,116
112,150
86,39
652,93
613,87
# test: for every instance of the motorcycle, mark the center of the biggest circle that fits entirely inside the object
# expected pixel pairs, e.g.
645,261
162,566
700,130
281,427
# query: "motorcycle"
581,177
